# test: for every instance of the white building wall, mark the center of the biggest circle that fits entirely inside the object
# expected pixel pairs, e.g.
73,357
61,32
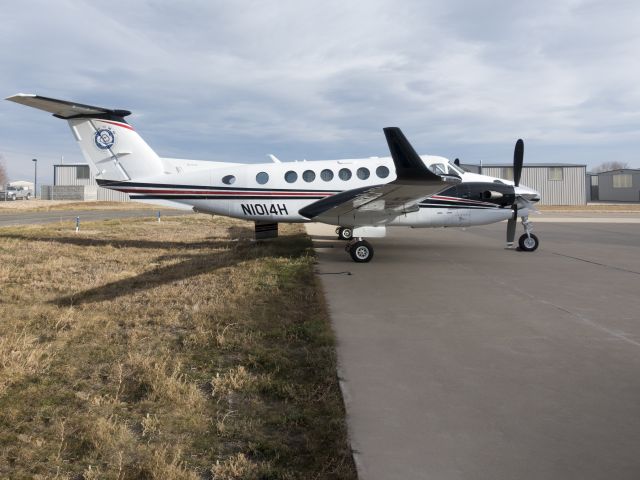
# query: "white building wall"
67,175
571,190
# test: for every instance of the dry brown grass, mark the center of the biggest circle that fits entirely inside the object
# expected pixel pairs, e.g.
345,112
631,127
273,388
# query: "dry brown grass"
65,205
138,349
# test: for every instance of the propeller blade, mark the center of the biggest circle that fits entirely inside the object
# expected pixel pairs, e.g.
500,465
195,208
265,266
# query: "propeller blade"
512,223
518,157
511,231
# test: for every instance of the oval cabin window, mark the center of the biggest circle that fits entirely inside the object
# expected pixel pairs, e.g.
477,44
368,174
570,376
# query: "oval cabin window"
308,176
382,172
326,175
291,176
363,173
228,179
262,178
344,174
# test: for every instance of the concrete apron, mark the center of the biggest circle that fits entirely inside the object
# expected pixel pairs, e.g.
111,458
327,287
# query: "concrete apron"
462,360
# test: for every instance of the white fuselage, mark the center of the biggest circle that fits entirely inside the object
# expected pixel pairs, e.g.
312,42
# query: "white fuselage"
276,191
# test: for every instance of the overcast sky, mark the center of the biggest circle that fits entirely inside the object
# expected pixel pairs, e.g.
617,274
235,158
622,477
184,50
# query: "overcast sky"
320,79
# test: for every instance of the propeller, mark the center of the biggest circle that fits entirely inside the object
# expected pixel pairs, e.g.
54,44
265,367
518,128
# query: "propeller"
518,158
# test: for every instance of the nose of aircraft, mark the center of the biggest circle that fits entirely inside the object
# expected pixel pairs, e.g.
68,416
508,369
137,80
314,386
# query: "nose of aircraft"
527,193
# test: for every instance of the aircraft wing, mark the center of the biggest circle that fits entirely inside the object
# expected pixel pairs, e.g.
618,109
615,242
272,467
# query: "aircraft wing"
380,204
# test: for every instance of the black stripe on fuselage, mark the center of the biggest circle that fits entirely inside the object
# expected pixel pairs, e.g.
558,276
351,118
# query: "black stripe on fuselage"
115,185
459,206
222,197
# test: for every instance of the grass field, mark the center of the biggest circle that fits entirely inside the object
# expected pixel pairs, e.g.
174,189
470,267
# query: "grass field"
174,350
65,205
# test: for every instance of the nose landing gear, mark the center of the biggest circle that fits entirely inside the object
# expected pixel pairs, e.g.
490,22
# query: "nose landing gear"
528,242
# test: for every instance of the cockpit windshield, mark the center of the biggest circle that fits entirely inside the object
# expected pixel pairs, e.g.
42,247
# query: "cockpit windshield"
439,169
446,169
455,169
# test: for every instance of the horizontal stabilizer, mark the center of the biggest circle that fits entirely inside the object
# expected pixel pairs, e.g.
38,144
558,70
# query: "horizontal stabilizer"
65,109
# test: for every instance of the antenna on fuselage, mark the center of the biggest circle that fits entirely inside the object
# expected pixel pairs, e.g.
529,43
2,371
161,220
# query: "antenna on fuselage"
273,158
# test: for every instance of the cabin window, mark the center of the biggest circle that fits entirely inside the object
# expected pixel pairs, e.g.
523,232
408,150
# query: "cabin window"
344,174
326,175
291,176
622,180
309,176
363,173
555,173
262,178
382,171
228,179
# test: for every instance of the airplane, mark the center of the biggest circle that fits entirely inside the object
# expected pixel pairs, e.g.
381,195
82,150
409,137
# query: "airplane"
361,197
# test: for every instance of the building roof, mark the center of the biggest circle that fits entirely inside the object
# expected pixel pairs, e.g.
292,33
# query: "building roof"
618,170
527,165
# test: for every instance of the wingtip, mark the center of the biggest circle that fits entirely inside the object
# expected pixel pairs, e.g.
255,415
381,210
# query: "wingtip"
20,95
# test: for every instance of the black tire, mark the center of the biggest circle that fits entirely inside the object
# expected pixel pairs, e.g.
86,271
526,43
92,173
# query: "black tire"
361,251
28,196
528,243
13,198
345,233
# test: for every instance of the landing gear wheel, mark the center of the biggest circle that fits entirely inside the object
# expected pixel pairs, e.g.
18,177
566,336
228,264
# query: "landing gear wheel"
361,251
528,243
345,233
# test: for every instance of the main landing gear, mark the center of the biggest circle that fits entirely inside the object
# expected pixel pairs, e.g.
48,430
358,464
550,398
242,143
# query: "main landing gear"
528,242
360,250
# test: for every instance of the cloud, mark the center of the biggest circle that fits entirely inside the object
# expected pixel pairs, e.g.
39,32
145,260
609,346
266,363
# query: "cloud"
319,79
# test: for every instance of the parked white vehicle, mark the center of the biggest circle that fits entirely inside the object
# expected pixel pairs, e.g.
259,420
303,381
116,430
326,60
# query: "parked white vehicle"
15,193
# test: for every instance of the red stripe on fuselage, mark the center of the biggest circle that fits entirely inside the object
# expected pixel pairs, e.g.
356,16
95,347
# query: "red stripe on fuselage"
224,192
458,199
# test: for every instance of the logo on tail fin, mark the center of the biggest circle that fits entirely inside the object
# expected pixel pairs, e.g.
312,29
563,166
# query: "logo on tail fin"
105,138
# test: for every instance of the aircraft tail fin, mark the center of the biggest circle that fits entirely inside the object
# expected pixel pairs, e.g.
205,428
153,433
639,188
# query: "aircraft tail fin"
109,144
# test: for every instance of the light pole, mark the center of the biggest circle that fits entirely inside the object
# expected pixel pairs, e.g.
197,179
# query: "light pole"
35,178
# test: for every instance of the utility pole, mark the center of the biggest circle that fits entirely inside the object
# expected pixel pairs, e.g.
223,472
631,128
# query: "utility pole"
35,178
